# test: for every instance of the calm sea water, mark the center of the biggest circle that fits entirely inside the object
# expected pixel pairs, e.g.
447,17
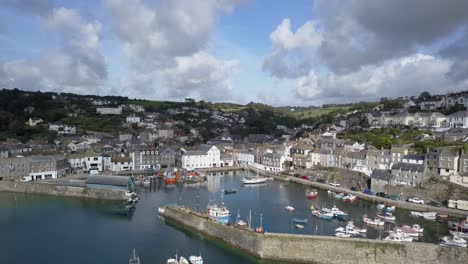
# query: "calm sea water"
42,229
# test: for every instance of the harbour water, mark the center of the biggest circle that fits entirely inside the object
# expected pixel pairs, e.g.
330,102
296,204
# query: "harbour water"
42,229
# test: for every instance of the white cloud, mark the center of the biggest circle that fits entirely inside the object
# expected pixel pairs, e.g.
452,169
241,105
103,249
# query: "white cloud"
166,43
363,50
78,66
408,75
293,53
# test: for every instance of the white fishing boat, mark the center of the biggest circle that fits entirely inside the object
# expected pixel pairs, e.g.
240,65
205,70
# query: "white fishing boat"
390,209
459,234
161,210
299,226
253,180
134,259
399,236
381,206
341,234
172,261
351,229
424,215
414,231
375,222
218,213
183,260
453,241
289,208
196,260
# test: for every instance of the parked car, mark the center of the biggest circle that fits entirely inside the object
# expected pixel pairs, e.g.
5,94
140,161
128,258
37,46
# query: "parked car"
304,177
434,203
369,192
335,184
382,194
353,188
415,200
395,197
297,175
320,180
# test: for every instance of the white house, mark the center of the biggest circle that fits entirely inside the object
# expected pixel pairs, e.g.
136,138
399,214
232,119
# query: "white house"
133,119
243,157
205,156
87,162
62,129
121,164
32,122
458,119
109,110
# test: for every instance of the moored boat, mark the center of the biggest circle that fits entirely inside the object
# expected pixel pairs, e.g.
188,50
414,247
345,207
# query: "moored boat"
134,259
183,260
196,260
461,226
459,234
299,226
375,222
301,221
453,241
424,215
339,196
322,215
413,231
338,213
342,234
289,208
218,213
350,198
351,229
172,261
399,236
230,191
311,194
381,206
387,216
259,229
253,180
161,210
390,209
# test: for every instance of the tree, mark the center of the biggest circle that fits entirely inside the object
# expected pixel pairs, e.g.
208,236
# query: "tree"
424,95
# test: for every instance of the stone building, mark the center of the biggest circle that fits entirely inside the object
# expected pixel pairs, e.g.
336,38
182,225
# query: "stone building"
380,179
34,168
408,174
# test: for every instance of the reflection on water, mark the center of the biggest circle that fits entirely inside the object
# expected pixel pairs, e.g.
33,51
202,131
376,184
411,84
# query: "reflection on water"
71,230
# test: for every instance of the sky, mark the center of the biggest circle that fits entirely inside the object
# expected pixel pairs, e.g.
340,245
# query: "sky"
300,52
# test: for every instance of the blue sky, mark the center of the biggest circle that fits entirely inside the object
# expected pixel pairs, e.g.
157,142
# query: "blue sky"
300,52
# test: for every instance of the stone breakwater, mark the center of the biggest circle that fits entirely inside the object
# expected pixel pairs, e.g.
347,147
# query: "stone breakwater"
58,190
315,249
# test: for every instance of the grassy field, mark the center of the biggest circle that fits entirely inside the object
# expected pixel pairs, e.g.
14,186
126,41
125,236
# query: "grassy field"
303,113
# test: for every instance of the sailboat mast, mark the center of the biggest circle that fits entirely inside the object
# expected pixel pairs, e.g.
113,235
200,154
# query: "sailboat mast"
250,219
261,220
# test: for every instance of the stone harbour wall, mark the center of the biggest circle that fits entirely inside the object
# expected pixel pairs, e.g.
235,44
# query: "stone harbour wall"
57,190
317,249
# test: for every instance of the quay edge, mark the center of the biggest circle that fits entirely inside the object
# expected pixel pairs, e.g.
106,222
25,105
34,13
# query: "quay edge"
315,249
400,204
58,190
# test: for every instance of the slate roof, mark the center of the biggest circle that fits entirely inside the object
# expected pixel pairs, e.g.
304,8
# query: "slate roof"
384,175
108,180
408,167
